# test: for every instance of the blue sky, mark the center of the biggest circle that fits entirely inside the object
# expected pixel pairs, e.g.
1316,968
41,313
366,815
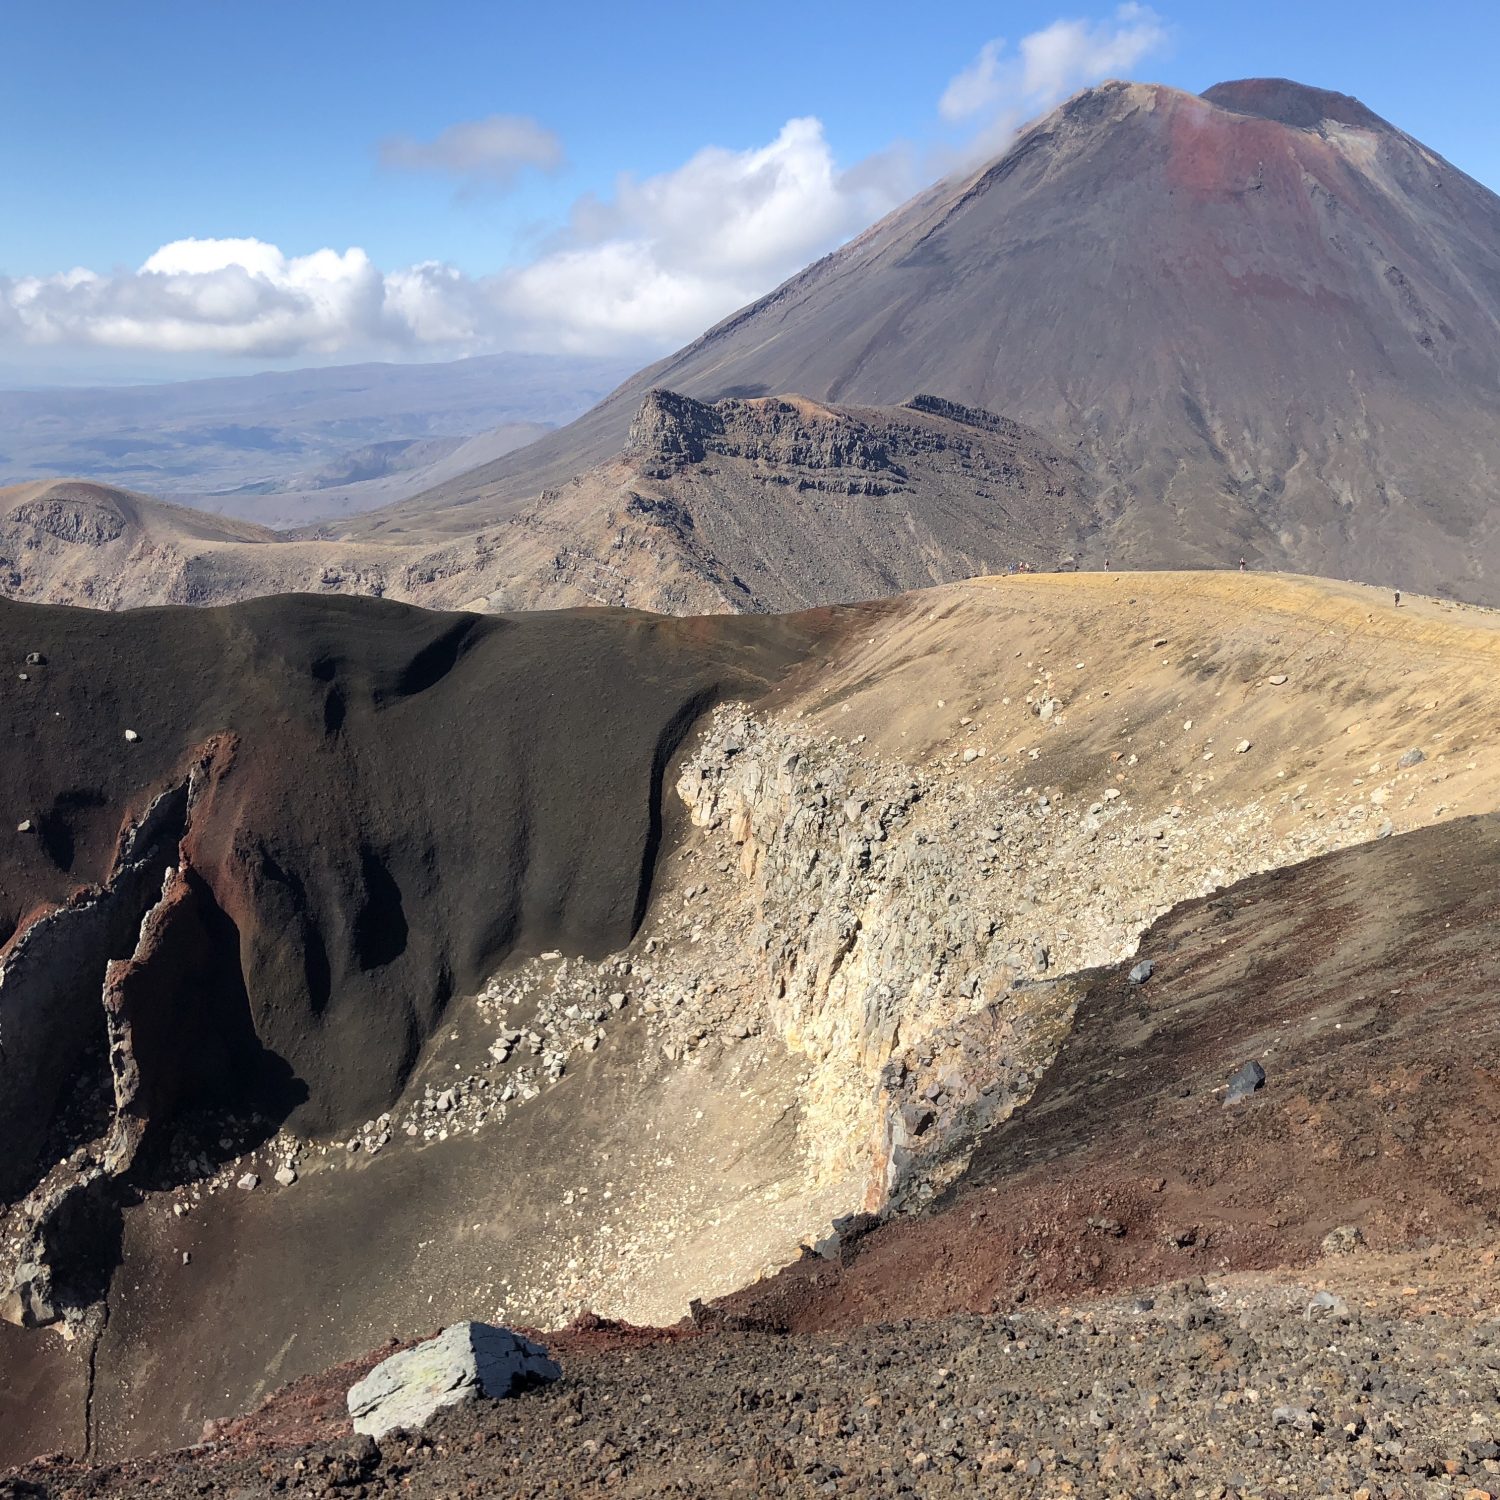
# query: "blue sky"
320,127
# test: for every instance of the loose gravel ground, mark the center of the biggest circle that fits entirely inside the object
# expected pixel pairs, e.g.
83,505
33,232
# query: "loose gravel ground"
1205,1390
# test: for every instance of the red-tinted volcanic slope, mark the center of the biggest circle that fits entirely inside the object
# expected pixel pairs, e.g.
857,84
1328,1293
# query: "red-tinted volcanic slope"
1366,984
356,809
1268,320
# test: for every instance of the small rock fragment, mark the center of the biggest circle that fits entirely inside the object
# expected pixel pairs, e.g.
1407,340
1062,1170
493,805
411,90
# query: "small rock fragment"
1244,1081
248,1183
1142,971
1295,1416
131,736
1343,1240
1326,1302
1412,757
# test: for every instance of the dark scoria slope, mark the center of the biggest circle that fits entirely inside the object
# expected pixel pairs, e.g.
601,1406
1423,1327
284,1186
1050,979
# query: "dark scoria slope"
1267,319
338,813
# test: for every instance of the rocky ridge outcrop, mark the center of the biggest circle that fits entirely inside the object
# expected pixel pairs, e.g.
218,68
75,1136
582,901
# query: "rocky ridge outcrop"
902,927
66,978
740,505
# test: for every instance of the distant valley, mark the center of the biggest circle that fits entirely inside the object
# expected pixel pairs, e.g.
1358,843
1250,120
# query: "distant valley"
282,448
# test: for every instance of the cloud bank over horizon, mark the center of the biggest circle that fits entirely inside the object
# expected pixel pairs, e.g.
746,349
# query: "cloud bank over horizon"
637,272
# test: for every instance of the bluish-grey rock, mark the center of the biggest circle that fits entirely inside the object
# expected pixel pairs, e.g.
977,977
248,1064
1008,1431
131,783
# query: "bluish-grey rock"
1142,971
1296,1416
463,1363
1244,1081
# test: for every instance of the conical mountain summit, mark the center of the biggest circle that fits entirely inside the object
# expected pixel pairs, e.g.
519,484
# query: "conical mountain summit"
1265,320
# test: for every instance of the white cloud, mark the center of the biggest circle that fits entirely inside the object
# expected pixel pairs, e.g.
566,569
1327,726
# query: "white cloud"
650,267
647,267
205,296
978,87
671,254
493,150
1050,64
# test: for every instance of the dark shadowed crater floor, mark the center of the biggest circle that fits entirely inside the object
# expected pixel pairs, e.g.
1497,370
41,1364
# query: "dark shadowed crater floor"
251,853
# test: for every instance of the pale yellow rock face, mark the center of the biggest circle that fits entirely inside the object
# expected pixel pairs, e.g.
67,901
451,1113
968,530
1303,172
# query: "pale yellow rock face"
892,885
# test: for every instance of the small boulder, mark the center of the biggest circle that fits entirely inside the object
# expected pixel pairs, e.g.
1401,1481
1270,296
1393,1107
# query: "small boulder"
28,1302
1242,747
35,659
1343,1240
463,1363
1412,757
1298,1417
286,1175
1326,1304
1142,971
131,736
1276,679
248,1183
1244,1081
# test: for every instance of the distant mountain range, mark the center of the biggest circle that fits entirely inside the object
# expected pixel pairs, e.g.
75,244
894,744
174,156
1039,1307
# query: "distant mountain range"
1262,322
739,506
283,447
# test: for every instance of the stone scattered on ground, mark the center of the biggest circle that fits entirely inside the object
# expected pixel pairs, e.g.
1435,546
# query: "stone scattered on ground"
464,1362
1244,1081
1199,1389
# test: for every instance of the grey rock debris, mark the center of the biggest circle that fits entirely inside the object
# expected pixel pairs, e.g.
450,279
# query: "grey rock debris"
463,1363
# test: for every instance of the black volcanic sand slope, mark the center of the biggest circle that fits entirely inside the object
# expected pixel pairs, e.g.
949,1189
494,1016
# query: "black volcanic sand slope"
362,807
249,856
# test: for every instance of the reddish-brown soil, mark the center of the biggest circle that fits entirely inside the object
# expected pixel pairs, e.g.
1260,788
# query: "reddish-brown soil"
1368,986
982,1342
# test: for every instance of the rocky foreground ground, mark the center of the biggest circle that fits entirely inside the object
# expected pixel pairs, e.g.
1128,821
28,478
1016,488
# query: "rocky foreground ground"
1030,855
1371,1376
